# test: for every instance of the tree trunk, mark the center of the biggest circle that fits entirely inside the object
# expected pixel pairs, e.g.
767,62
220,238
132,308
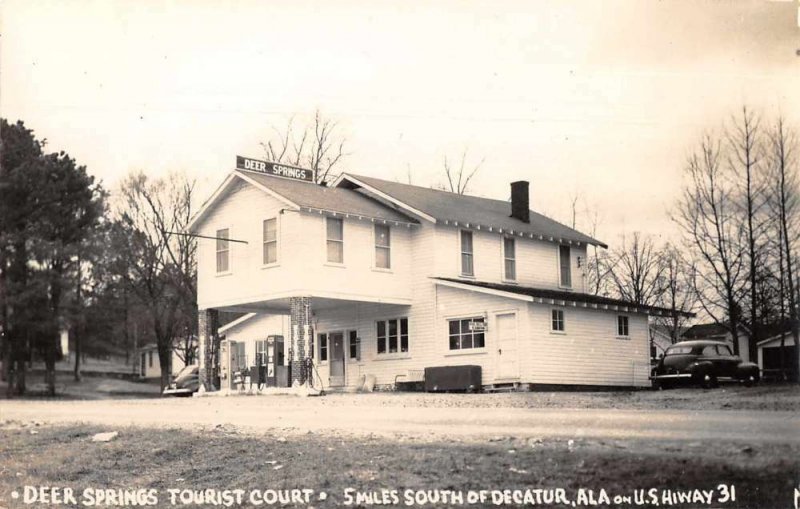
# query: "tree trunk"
77,369
165,362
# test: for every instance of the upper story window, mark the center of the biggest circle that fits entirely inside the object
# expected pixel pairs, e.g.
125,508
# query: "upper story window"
334,228
466,333
557,322
383,245
565,264
622,326
392,335
509,259
223,250
270,241
467,268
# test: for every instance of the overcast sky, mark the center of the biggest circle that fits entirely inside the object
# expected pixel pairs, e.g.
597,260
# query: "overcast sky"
600,99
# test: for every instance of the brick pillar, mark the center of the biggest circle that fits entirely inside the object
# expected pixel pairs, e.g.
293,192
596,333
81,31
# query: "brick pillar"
208,347
300,333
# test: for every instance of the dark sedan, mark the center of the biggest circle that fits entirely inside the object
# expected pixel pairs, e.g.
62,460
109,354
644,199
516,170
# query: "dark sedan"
702,363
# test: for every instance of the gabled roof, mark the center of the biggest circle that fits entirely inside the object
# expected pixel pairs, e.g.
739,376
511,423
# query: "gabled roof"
311,197
452,208
558,296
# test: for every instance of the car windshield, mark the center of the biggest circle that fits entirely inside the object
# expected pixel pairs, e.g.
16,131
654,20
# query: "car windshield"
678,350
186,371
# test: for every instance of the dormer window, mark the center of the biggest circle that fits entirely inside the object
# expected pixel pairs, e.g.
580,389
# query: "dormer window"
564,259
467,268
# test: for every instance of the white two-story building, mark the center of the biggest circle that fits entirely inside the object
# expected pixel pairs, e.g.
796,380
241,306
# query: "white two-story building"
372,277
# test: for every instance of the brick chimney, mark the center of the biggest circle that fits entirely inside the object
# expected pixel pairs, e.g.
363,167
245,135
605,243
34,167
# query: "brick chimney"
520,206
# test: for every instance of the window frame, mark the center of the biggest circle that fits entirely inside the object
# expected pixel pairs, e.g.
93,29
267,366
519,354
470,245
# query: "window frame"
556,320
261,353
265,242
623,326
328,240
353,345
462,333
462,253
387,337
226,250
506,258
561,248
322,348
377,247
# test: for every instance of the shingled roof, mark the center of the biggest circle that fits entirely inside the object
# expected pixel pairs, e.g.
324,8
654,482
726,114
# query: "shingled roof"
563,297
452,208
311,197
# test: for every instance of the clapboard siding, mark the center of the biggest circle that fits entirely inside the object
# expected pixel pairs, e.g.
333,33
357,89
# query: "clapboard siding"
301,268
257,328
536,260
589,351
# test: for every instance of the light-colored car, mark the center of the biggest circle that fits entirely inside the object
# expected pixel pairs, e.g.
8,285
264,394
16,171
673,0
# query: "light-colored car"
185,383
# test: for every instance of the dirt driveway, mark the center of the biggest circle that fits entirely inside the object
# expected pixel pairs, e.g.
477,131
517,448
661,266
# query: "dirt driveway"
462,416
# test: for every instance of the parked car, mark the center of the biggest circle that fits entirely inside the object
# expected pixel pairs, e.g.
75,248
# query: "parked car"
702,363
185,383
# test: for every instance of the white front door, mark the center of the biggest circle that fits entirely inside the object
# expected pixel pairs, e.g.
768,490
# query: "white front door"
506,348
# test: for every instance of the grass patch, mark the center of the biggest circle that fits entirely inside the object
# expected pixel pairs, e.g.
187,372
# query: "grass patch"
223,458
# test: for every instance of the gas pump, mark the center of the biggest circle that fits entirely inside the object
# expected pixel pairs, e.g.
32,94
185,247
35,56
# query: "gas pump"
277,373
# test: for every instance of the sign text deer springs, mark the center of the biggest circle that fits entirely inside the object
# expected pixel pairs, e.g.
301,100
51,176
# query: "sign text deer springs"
275,169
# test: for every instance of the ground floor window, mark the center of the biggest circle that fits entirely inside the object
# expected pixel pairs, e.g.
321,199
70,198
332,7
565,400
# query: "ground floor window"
354,345
261,352
557,324
467,333
150,359
392,335
323,347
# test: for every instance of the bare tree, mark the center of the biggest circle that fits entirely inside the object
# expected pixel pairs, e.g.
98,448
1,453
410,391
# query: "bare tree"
705,213
635,270
458,178
318,146
784,198
675,275
745,160
158,266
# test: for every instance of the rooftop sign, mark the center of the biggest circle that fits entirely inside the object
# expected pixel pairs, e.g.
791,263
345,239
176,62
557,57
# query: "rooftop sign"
275,169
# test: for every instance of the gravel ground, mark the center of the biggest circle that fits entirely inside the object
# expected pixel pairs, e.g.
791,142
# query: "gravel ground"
730,397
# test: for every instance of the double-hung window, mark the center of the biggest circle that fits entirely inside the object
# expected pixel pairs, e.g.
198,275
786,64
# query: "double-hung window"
392,335
557,320
323,347
223,250
467,268
383,245
261,352
466,333
622,326
334,228
270,241
565,266
353,345
509,259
